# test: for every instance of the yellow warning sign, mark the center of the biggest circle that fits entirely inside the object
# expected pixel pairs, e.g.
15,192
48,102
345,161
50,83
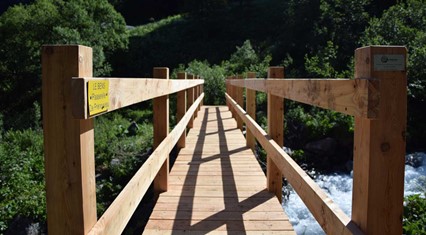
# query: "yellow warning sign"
97,93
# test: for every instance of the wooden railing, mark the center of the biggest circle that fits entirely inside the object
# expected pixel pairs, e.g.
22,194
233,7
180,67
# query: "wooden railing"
71,98
377,97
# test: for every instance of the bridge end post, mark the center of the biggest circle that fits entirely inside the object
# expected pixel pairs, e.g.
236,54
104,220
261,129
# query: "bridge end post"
68,143
276,132
161,130
251,111
379,144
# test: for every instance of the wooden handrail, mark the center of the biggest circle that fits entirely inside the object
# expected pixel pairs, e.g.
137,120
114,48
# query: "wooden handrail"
378,100
328,214
69,138
126,91
115,218
356,97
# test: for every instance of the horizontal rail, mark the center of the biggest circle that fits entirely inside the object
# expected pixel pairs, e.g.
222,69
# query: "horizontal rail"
115,218
123,92
356,97
328,214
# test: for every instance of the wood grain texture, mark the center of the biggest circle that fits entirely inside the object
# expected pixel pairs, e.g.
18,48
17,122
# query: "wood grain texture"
239,97
251,110
217,185
379,149
160,107
115,218
275,115
356,97
126,91
190,99
328,214
68,143
181,109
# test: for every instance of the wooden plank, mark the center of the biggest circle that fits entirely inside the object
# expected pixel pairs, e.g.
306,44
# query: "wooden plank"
160,107
251,110
125,91
356,97
328,214
200,215
68,143
217,225
181,109
276,132
379,148
183,188
217,183
185,232
115,218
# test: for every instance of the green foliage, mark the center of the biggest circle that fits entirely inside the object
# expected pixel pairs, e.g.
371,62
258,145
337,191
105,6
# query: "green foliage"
405,24
119,151
414,221
306,124
245,59
22,176
214,78
321,64
25,28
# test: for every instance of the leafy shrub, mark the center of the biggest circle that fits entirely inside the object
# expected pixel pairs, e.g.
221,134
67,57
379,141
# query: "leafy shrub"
22,176
414,221
405,24
214,78
25,28
120,151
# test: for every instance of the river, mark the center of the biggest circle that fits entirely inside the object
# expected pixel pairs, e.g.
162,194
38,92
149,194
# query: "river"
339,188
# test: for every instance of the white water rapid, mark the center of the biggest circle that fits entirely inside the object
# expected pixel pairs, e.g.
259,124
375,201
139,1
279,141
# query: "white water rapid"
339,188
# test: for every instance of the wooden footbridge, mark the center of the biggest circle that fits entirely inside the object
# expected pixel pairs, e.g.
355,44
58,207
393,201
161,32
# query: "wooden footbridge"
216,185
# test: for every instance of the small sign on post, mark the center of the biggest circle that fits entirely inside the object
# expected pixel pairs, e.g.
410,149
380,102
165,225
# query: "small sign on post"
389,62
97,92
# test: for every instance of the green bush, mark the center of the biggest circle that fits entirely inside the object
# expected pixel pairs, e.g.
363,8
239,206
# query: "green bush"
22,187
119,151
414,221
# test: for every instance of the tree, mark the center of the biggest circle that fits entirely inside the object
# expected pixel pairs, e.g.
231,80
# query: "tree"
25,28
405,24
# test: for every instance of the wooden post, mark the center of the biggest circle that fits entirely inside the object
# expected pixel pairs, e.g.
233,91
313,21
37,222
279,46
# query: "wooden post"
239,97
202,91
228,92
181,110
190,101
251,111
161,130
199,93
195,96
379,148
276,132
68,143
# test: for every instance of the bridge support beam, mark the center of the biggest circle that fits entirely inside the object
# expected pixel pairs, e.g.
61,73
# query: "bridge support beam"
161,130
379,148
239,97
251,111
276,132
190,101
181,110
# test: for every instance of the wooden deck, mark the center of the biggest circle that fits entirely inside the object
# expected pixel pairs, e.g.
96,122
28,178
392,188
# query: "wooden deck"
216,185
